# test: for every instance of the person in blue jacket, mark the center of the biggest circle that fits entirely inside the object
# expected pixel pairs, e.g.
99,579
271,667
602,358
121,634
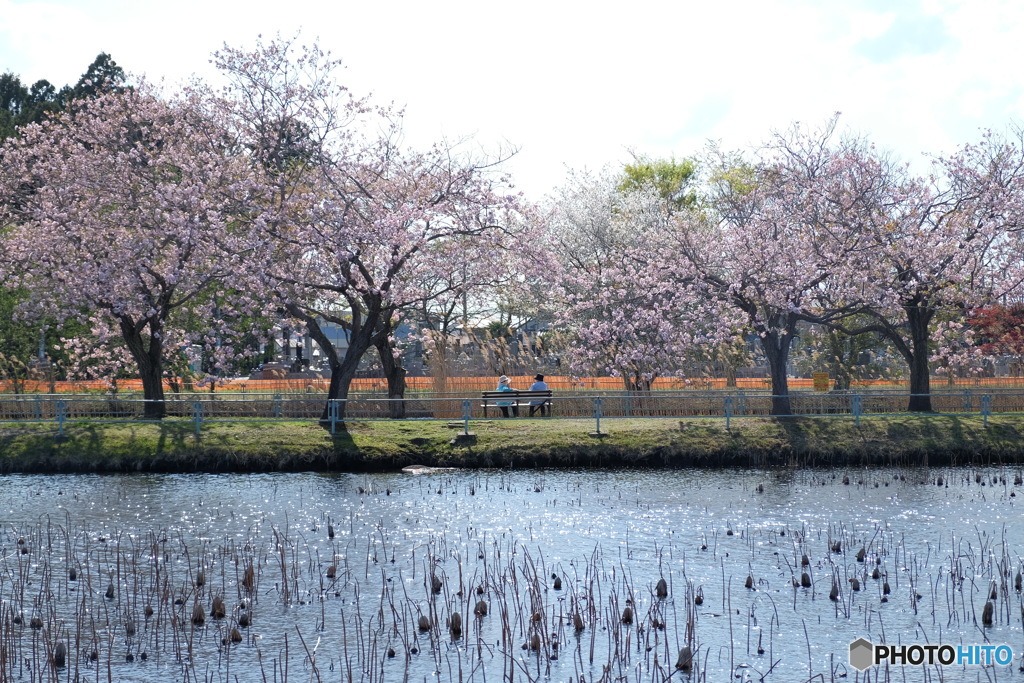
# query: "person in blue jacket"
503,385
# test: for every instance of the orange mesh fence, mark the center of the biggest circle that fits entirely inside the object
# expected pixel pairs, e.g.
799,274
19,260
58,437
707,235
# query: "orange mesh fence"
471,385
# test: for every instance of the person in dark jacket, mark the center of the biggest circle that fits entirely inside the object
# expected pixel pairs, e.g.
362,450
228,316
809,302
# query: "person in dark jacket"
542,404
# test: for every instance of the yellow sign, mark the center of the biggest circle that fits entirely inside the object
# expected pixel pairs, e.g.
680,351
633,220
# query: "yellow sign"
821,382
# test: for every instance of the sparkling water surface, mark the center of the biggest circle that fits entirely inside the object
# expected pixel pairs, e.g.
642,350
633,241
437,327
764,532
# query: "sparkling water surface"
348,607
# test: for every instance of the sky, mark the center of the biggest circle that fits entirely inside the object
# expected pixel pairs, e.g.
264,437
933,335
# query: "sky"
575,85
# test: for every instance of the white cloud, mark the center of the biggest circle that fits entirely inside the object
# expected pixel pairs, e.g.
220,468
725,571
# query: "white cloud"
580,84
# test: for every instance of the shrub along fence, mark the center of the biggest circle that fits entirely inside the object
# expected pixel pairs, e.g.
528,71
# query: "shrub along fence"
200,409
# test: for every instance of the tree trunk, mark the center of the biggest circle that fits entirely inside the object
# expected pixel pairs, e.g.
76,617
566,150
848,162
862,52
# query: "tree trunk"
343,372
150,363
153,392
337,389
919,318
395,374
920,385
776,352
636,383
638,390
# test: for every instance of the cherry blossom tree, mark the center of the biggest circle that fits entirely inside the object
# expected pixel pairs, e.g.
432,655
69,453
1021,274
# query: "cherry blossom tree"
956,350
753,251
130,210
624,310
812,229
938,247
462,281
759,252
356,221
419,214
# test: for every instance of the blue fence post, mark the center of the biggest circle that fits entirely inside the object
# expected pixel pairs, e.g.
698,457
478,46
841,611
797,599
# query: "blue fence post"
332,412
197,414
857,406
62,415
741,403
986,408
597,414
968,401
728,411
39,408
277,405
465,416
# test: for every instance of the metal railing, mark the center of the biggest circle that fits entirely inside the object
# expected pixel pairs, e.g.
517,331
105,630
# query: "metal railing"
201,409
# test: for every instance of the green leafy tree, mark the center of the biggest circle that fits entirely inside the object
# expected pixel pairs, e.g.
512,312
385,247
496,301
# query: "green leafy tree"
672,180
20,340
846,358
21,105
103,75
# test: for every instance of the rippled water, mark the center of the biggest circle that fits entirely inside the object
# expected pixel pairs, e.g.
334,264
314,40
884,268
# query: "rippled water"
606,536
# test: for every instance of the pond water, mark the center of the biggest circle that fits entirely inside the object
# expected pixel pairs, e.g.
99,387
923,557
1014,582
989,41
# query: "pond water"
328,576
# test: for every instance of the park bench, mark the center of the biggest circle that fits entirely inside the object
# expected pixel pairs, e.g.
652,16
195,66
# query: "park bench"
519,398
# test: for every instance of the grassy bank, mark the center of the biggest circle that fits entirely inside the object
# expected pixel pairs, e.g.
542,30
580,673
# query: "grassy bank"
172,446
